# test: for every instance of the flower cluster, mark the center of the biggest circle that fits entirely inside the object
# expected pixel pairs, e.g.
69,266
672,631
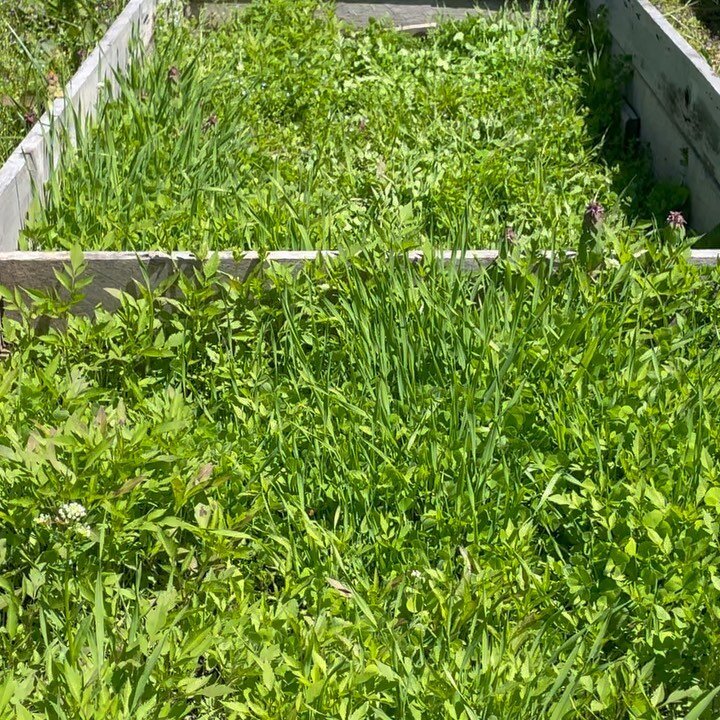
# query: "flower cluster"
84,530
70,513
67,516
676,220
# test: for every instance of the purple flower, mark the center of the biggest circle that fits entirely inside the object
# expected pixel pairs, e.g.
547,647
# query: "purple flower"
510,234
676,220
174,74
594,214
30,118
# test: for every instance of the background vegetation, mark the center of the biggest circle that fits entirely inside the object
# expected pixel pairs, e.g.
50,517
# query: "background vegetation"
286,129
372,491
43,42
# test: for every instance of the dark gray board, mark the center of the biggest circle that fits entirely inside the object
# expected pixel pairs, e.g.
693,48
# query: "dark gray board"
359,13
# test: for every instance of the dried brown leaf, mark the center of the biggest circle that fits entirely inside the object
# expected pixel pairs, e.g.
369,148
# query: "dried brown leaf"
129,485
342,589
203,474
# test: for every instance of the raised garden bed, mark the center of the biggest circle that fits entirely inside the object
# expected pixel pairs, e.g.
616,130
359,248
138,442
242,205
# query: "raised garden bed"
142,13
285,130
676,94
372,489
360,482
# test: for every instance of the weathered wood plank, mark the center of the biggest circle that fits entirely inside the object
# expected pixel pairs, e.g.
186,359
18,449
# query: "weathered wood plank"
410,16
126,270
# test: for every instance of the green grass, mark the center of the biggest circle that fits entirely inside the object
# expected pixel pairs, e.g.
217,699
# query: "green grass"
42,42
371,491
286,129
374,489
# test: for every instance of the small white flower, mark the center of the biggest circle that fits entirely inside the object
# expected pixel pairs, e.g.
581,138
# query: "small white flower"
84,530
70,513
43,519
416,574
